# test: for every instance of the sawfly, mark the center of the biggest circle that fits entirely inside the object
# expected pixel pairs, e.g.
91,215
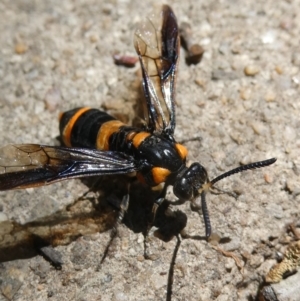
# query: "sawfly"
97,144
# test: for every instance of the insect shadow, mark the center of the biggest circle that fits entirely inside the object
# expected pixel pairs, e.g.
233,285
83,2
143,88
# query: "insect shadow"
91,213
139,216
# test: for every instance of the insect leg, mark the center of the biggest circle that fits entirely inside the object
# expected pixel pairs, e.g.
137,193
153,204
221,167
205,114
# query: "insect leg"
155,206
197,138
157,203
123,209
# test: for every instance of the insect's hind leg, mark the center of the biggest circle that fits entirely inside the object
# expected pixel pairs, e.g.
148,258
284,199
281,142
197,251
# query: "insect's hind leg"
123,209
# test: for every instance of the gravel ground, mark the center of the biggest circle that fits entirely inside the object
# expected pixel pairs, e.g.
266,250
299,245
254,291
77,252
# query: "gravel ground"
241,100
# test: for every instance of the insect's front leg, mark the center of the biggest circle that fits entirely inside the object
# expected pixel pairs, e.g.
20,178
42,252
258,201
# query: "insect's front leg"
169,222
123,207
157,203
151,221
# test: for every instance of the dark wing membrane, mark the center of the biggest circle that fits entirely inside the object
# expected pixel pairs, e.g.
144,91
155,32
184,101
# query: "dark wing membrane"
30,165
157,43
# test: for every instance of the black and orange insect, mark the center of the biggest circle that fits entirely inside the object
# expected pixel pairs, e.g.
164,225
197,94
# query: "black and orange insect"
97,144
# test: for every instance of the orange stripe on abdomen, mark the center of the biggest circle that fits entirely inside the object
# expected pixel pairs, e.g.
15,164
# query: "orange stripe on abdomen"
106,130
139,138
67,131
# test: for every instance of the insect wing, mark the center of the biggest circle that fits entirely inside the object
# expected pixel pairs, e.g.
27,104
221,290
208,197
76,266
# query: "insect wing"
31,165
157,43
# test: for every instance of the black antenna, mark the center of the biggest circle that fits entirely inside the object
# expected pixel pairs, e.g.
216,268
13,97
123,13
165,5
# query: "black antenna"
205,214
254,165
229,173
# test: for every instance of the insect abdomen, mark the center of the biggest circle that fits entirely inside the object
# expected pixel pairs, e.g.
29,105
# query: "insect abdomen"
86,127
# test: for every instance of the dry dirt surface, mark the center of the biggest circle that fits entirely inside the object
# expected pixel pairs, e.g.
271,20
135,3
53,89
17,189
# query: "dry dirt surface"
241,102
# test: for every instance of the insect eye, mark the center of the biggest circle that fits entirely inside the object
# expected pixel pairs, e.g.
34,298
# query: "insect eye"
183,189
198,174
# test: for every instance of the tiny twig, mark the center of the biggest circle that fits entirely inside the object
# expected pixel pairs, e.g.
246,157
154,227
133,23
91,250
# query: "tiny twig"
233,256
293,229
194,51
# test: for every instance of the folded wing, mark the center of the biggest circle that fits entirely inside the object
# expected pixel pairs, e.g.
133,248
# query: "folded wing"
157,43
31,165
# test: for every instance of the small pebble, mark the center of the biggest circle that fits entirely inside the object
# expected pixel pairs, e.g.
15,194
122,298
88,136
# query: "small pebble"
245,93
291,185
20,48
251,70
268,178
87,25
236,48
79,73
140,258
52,99
270,96
125,60
278,69
258,127
195,53
201,82
93,38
